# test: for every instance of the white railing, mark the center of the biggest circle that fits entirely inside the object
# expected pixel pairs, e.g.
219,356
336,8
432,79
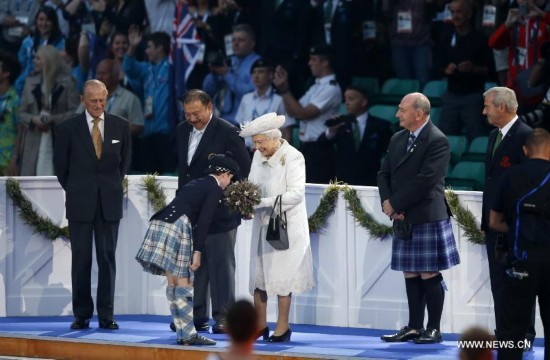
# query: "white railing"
354,285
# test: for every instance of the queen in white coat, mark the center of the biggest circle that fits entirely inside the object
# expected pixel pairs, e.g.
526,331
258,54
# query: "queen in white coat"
279,169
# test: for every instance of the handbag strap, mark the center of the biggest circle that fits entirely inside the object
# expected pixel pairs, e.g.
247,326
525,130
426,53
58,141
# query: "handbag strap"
279,200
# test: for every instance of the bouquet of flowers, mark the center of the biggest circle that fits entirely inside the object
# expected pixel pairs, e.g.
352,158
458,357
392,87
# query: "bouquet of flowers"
241,196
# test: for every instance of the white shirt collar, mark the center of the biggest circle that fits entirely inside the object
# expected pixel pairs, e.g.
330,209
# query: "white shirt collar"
504,130
90,118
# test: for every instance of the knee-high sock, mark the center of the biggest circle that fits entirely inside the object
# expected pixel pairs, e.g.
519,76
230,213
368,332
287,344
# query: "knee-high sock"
171,297
185,328
435,296
416,300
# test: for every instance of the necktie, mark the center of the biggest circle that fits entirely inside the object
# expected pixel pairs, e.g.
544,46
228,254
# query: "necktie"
96,138
356,135
411,141
497,141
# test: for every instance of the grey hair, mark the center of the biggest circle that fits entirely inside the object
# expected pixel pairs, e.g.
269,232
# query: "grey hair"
503,95
421,103
273,134
94,83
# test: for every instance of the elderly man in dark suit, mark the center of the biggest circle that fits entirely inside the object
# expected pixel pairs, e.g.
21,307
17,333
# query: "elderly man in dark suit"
200,136
91,156
504,149
411,184
361,140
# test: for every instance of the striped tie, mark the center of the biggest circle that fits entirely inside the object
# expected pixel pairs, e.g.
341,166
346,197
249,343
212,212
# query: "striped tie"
411,141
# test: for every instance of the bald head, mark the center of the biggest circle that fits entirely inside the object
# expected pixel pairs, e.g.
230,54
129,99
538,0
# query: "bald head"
108,72
413,111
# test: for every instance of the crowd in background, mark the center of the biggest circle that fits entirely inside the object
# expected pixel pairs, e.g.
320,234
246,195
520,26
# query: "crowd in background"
258,56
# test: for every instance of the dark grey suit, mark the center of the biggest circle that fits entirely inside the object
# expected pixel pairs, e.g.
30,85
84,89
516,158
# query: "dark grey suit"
94,195
218,259
414,181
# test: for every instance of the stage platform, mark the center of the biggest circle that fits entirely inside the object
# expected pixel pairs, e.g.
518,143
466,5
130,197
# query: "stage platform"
148,337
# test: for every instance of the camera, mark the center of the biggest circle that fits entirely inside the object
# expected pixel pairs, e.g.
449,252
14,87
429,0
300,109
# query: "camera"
340,119
216,58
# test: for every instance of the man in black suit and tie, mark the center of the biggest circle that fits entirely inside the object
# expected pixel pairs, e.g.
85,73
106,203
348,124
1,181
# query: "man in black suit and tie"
200,136
91,156
411,184
504,149
361,140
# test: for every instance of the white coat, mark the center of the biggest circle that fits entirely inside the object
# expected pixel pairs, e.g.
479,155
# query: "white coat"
280,272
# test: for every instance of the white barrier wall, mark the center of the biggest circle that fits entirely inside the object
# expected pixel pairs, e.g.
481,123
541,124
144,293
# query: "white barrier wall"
354,285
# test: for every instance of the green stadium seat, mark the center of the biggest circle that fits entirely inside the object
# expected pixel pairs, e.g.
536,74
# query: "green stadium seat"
434,115
467,175
458,144
342,109
434,90
385,112
394,89
490,84
368,83
477,149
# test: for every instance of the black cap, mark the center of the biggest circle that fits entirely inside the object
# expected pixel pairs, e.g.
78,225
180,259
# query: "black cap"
261,62
321,50
220,163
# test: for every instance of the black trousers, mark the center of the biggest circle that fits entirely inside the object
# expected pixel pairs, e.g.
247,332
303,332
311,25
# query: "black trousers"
83,234
520,295
217,270
497,275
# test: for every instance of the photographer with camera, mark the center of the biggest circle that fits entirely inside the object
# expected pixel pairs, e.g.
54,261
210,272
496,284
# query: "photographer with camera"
520,208
540,74
523,32
360,139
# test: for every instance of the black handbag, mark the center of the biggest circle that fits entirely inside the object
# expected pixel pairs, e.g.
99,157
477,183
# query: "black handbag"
402,229
277,235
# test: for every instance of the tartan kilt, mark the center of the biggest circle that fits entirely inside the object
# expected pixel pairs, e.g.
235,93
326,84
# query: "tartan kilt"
167,247
431,249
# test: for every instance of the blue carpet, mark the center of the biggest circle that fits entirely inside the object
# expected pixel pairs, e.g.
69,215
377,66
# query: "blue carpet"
334,342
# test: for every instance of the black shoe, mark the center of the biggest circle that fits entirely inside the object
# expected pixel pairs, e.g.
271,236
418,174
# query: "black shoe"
172,326
405,334
108,324
204,327
196,341
281,338
219,327
264,333
429,336
80,324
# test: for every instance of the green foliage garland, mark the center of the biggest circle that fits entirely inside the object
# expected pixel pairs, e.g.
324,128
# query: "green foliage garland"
155,193
39,223
317,221
465,219
365,220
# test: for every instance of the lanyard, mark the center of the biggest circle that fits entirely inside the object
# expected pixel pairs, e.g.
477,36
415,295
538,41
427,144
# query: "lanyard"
516,240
